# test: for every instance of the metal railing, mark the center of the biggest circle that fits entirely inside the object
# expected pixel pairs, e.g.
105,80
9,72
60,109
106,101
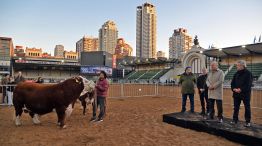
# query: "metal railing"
5,92
117,90
121,90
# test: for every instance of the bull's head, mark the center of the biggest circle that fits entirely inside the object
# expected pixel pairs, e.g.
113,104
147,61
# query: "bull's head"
89,85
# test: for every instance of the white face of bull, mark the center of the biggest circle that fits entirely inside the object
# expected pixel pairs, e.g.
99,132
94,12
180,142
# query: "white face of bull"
89,86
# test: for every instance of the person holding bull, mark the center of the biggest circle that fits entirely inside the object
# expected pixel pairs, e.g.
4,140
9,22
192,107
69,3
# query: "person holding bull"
102,86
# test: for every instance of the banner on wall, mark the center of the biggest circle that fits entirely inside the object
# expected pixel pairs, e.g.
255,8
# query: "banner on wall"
95,70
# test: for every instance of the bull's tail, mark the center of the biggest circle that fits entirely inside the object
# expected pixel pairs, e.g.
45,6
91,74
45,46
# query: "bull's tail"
14,116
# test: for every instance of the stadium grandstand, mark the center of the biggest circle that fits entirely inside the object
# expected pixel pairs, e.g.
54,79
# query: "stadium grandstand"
50,69
147,70
162,70
227,58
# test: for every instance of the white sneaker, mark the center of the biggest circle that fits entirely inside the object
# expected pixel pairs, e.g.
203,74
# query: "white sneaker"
100,120
248,124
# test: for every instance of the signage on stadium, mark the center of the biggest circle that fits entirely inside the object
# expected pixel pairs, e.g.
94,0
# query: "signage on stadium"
95,69
45,62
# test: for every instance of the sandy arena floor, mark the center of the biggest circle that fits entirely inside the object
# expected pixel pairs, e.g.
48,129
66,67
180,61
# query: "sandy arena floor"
129,121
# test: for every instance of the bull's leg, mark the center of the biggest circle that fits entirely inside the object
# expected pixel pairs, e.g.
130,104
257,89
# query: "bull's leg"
68,111
18,113
84,106
61,117
34,117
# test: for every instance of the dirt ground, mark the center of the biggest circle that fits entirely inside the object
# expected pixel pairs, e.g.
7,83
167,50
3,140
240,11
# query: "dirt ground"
129,121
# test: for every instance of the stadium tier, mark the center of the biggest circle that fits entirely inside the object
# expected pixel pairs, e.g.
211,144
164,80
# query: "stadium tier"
255,68
146,74
224,68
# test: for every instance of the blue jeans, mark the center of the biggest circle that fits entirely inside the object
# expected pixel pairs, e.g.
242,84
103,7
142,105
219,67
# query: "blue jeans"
184,98
101,102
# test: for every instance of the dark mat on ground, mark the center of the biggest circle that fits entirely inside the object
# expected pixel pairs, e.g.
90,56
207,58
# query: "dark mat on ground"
234,132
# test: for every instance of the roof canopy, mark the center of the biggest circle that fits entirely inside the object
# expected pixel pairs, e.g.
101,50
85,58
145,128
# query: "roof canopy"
234,51
137,61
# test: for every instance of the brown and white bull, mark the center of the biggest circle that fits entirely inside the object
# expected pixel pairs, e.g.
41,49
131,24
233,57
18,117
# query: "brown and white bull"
40,99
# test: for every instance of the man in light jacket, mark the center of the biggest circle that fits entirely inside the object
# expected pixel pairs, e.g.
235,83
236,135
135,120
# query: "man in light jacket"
214,83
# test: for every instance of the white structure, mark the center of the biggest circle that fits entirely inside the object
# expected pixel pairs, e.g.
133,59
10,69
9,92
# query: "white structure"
108,36
146,31
195,59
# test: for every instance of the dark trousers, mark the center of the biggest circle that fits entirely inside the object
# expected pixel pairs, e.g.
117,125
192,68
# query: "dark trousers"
191,98
219,108
4,93
101,102
204,101
237,102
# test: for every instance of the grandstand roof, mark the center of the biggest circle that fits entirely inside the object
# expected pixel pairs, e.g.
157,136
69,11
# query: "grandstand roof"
137,61
234,51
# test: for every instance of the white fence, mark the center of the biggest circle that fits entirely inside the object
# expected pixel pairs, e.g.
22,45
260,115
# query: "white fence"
118,90
171,90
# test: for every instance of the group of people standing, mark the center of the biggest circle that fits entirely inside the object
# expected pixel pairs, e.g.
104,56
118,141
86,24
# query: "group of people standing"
8,83
210,89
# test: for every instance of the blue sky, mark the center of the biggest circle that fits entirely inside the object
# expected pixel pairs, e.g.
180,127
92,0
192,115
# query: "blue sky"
46,23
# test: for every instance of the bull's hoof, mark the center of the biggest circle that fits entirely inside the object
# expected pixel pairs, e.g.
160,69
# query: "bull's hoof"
36,120
17,121
37,123
58,124
63,127
18,125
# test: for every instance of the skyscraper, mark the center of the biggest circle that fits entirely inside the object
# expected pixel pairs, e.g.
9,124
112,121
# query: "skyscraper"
6,48
108,35
179,42
146,31
6,51
59,51
86,44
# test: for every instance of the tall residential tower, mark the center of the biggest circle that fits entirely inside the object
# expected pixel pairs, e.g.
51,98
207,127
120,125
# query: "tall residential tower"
179,42
108,36
146,31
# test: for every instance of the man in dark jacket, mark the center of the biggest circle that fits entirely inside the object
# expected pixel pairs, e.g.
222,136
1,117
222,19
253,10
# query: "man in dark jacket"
203,91
187,81
241,86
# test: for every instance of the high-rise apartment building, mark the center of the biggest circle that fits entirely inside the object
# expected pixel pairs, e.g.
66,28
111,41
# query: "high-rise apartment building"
108,36
59,51
146,31
179,42
87,44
